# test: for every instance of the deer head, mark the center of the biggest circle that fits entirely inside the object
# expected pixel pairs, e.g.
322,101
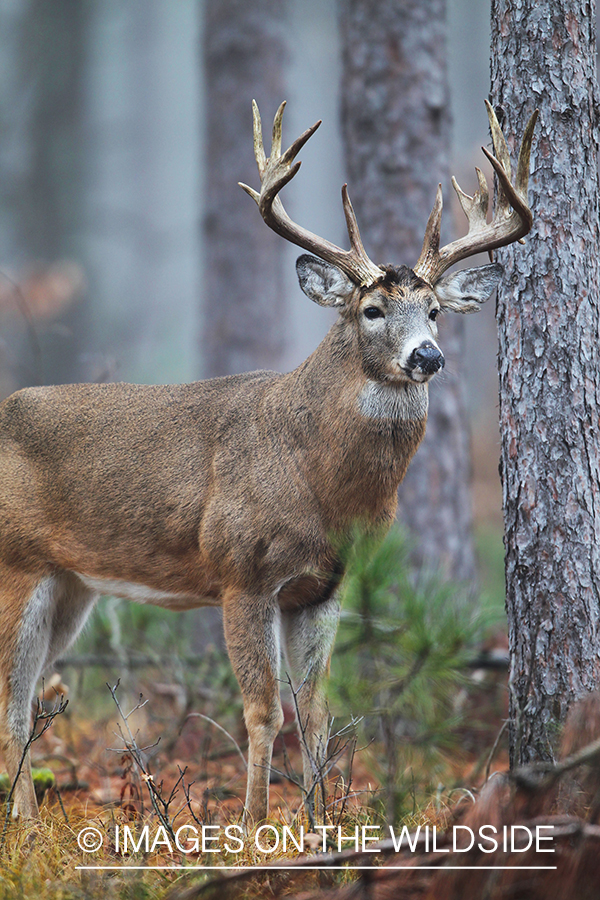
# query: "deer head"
394,309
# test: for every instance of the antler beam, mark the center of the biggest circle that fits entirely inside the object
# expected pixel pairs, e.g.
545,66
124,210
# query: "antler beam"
275,172
512,218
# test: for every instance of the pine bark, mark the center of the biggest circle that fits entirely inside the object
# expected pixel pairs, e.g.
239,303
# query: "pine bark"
544,55
396,125
243,312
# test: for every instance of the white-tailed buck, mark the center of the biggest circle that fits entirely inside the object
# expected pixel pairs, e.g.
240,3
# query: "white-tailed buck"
236,491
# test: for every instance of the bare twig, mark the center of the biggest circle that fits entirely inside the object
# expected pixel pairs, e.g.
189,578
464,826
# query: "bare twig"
494,748
62,805
197,715
159,804
336,744
46,718
542,775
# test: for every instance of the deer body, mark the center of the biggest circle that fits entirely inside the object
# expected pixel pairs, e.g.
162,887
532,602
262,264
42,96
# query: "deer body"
197,505
236,491
207,482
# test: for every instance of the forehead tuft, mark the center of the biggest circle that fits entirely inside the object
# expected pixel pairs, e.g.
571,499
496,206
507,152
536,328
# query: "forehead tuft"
399,277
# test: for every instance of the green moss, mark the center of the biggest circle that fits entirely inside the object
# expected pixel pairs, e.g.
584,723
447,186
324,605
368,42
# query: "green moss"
43,780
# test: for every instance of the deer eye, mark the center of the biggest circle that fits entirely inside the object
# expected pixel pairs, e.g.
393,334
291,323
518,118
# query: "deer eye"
434,314
373,312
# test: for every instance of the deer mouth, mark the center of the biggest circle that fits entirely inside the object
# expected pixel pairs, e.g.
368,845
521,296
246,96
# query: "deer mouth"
424,362
420,377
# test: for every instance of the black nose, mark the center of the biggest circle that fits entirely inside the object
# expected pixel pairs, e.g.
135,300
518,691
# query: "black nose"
428,358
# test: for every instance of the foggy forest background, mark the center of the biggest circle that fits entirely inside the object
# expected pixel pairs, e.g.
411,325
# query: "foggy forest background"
104,175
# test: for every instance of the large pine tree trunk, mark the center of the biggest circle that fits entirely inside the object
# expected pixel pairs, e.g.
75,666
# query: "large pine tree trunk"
397,134
243,315
544,55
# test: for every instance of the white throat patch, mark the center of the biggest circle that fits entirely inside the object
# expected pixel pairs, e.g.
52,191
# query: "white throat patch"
404,401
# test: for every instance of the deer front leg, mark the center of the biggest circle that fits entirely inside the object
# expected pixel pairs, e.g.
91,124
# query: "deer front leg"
309,635
251,627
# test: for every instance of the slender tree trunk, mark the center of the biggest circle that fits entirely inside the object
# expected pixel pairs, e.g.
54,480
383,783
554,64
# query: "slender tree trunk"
544,55
396,125
243,313
243,305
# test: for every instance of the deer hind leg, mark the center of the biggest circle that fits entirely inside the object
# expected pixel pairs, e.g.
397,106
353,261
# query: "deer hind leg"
32,635
309,635
251,626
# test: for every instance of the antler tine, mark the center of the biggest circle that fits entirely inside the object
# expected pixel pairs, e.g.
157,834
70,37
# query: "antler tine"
295,148
522,179
276,139
475,208
365,269
512,217
275,172
351,223
509,200
502,155
259,147
431,241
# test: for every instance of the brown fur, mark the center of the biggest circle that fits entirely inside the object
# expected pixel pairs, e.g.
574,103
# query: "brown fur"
225,491
237,491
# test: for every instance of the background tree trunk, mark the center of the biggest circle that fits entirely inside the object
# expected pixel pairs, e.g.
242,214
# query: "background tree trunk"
396,124
41,162
244,309
544,54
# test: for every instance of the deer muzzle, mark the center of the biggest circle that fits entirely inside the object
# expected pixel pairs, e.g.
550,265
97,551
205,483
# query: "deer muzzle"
427,358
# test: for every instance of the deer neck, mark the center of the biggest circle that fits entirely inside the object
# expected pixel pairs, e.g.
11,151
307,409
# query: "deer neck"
333,381
358,436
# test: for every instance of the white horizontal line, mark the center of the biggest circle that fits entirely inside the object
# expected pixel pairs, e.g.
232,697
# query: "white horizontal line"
320,868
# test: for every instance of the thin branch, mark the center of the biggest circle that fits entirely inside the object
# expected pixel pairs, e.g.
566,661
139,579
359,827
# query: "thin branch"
159,805
542,775
197,715
494,748
46,717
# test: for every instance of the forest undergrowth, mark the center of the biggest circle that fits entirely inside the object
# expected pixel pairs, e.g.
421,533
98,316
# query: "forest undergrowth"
143,777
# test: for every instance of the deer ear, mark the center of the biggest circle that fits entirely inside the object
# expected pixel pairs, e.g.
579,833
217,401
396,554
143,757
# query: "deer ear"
466,290
322,282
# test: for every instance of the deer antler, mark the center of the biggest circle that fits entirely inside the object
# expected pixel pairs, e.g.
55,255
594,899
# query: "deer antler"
512,218
275,172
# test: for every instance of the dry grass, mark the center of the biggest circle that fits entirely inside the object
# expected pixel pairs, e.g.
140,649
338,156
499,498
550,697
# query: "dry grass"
44,860
102,791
